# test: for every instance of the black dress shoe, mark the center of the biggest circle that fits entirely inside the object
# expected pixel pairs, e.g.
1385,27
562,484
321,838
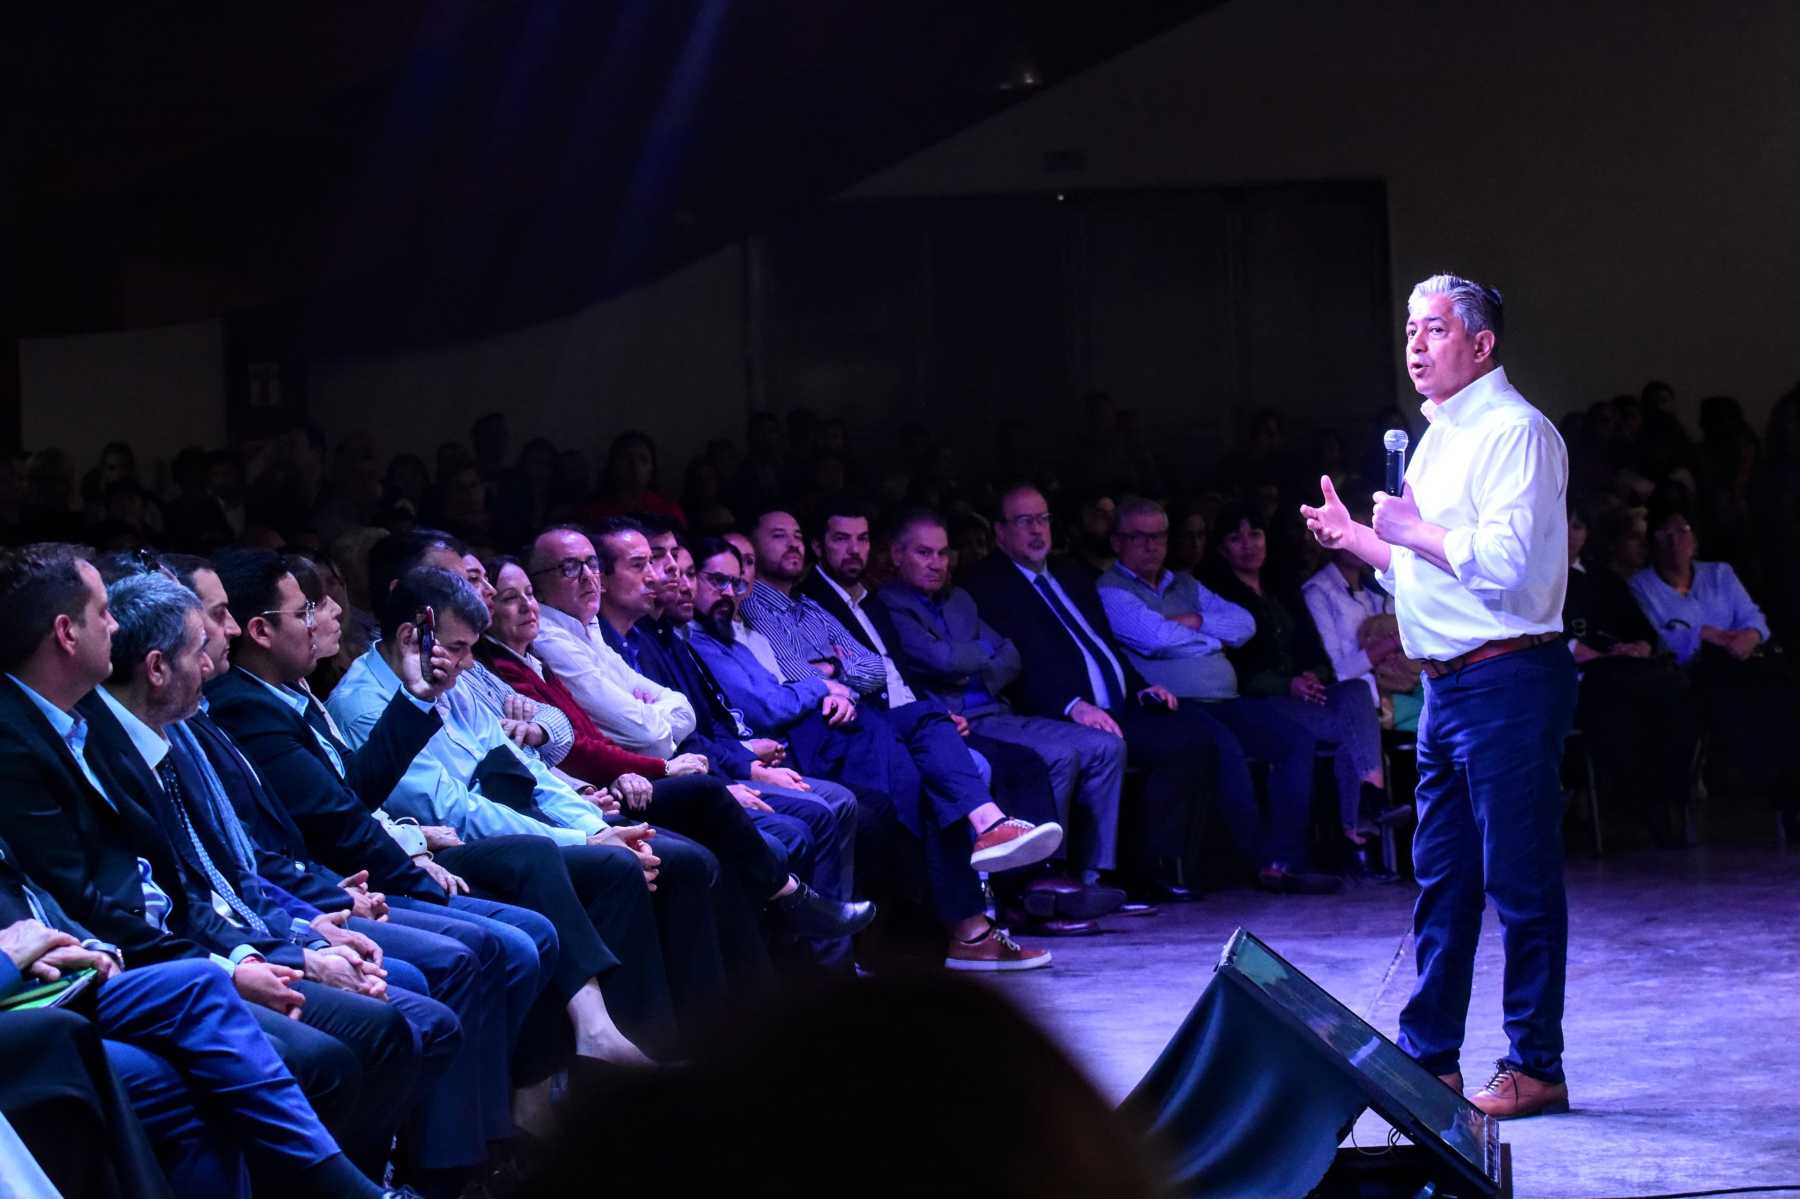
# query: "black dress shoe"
1051,898
803,912
1031,926
1172,892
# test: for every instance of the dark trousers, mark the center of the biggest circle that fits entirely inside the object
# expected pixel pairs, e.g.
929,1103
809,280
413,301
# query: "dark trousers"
620,909
827,811
1490,823
199,1155
1183,755
59,1093
386,1040
1258,728
1641,725
188,1015
468,1103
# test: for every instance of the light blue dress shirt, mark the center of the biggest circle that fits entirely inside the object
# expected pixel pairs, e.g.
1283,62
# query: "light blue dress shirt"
435,788
1715,597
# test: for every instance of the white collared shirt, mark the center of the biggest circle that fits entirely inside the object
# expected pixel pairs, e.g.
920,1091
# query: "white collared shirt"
1493,472
608,689
1095,670
898,693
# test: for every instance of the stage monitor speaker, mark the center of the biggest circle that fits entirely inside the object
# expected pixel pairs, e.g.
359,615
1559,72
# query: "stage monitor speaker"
1268,1074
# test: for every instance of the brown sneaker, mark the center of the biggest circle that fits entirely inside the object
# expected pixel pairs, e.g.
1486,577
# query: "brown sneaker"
995,951
1010,844
1512,1095
1453,1081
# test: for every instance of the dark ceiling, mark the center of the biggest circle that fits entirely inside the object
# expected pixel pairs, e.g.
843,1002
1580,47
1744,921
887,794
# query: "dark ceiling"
408,172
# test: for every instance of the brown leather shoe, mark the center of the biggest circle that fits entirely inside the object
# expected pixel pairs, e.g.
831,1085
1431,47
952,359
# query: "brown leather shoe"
995,951
1011,843
1512,1095
1453,1081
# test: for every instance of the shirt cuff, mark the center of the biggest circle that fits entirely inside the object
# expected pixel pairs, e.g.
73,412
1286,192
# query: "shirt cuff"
303,931
1459,552
1070,706
568,836
423,705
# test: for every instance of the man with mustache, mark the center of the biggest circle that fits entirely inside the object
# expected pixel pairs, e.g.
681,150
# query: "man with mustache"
1475,553
836,582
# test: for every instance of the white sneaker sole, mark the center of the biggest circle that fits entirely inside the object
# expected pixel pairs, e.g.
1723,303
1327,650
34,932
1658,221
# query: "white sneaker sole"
995,967
1020,852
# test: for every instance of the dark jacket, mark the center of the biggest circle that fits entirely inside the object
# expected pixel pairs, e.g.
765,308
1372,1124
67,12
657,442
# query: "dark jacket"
666,659
175,865
333,813
815,587
1283,647
78,844
1053,671
281,854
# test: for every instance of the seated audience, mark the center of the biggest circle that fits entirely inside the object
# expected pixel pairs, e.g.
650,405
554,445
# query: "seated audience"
325,807
744,665
1704,617
956,660
1632,705
1285,668
629,486
82,836
1074,669
1354,619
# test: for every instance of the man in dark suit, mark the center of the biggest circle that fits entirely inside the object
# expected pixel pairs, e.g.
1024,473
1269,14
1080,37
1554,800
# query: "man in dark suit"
840,557
159,661
179,1041
603,922
55,646
1073,669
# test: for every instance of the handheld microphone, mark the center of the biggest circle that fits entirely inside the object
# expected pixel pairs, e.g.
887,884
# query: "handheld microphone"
1395,441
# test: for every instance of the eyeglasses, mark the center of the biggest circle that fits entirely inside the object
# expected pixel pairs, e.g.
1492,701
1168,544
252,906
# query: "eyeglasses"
308,615
570,568
1161,538
725,582
1028,520
1674,533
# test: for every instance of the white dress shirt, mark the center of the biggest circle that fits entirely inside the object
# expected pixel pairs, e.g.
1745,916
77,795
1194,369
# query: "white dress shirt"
1493,472
898,693
1338,613
607,688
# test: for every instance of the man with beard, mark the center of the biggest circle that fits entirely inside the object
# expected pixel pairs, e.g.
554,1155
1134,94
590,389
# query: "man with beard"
771,707
648,627
1021,772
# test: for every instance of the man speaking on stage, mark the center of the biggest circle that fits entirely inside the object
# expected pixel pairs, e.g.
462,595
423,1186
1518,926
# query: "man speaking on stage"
1475,553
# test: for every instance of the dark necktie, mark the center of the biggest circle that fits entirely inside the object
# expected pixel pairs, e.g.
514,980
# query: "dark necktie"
1108,676
171,781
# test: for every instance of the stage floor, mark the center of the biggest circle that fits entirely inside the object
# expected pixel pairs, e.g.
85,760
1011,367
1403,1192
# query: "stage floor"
1683,1024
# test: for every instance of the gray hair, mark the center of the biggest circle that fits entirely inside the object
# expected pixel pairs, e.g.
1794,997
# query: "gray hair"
1137,505
152,611
1476,305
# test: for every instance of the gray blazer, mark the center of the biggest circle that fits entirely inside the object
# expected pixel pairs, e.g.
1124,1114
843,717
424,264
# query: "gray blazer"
945,647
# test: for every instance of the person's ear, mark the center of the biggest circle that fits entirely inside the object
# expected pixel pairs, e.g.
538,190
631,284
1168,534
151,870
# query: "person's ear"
1484,345
156,668
63,630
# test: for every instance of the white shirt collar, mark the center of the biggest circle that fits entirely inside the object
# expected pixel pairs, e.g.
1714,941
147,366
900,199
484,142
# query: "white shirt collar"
149,743
833,584
1461,409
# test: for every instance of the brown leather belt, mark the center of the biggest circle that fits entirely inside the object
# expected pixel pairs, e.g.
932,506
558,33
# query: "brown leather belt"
1481,653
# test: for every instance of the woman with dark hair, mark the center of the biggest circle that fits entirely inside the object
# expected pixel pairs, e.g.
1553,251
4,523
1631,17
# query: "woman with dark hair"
1705,618
1284,665
629,486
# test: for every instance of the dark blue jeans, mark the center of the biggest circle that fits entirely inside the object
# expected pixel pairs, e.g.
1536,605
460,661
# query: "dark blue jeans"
1490,827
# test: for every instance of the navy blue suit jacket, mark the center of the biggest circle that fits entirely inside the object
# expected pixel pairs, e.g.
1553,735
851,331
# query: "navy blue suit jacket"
1054,671
333,813
76,843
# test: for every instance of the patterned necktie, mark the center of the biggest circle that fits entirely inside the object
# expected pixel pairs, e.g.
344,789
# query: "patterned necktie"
171,781
1108,675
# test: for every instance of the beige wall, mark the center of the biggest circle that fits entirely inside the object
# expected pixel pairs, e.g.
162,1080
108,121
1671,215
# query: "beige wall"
668,359
159,389
1625,172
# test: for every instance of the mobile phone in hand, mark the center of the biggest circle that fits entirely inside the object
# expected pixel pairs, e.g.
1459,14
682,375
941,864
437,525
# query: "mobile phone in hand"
426,623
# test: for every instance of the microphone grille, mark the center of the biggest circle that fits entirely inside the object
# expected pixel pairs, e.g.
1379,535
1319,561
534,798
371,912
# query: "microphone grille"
1394,440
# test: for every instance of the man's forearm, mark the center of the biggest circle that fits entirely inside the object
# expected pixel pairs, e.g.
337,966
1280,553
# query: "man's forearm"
1427,541
1370,548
